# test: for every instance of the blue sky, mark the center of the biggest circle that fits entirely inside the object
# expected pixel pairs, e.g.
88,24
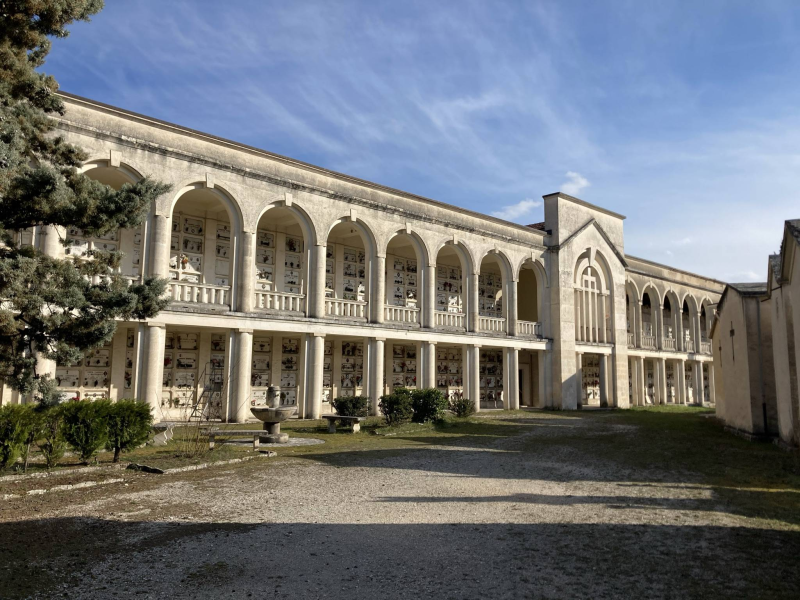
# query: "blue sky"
683,116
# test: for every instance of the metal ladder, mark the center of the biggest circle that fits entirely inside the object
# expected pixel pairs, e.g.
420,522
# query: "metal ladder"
207,405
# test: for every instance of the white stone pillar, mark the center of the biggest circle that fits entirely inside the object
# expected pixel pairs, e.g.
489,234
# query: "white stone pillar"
429,296
697,382
246,275
159,246
712,390
240,398
511,308
544,401
376,353
377,297
642,382
579,377
697,337
154,368
603,380
473,375
659,331
680,346
314,366
429,364
315,289
511,378
639,325
680,384
662,380
50,238
701,388
473,303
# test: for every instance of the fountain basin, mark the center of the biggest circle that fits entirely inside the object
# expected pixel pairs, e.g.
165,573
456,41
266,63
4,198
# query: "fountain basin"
272,418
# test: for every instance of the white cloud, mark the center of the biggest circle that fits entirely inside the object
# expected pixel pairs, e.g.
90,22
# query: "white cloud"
683,242
574,184
512,212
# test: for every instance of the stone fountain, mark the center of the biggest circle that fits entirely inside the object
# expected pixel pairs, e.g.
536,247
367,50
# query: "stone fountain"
272,416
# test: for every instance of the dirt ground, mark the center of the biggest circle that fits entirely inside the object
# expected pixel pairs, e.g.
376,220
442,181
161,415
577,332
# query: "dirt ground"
519,505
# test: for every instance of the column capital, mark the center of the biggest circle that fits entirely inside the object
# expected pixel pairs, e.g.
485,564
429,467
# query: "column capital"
377,339
156,324
241,330
319,335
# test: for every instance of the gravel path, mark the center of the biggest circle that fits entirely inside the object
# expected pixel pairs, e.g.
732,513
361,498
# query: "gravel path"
499,519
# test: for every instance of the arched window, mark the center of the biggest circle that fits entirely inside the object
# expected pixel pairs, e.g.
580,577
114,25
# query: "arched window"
592,318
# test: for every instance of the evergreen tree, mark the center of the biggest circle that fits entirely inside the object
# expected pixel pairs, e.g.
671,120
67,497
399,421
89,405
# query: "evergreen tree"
59,308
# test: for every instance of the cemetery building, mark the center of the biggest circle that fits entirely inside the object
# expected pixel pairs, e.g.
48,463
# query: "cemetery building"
286,274
754,337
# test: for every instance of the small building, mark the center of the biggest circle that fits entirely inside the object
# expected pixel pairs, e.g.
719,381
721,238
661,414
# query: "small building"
742,345
784,295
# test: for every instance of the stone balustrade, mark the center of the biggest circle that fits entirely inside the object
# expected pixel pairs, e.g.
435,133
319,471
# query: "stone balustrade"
184,292
529,329
280,301
450,320
345,309
492,324
401,314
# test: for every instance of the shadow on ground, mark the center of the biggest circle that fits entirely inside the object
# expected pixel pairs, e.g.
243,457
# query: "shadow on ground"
93,558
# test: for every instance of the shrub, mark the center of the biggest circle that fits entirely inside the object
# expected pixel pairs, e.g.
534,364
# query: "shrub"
51,442
351,406
16,422
397,407
461,406
86,426
428,404
129,425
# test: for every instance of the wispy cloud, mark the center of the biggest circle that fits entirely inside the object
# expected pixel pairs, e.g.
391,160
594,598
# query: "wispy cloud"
574,184
513,212
480,104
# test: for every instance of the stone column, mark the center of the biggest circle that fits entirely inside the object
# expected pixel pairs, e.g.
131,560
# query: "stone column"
643,381
680,384
376,352
377,298
662,380
511,308
154,368
712,391
680,346
511,378
659,330
473,323
316,357
701,388
697,382
315,294
159,246
50,240
603,380
544,401
473,375
240,398
429,364
697,337
246,283
579,378
637,335
429,296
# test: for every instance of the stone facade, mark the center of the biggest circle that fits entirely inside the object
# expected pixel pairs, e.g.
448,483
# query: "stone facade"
754,337
287,274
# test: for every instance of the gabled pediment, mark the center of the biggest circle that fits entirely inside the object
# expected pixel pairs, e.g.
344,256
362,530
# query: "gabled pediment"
592,223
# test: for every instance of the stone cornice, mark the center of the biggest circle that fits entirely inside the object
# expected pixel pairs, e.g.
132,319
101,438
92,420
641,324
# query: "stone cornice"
81,128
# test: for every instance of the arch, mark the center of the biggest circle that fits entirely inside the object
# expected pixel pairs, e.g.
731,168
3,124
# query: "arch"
367,234
502,258
595,321
300,213
128,173
649,287
404,273
228,201
281,254
450,297
493,295
524,312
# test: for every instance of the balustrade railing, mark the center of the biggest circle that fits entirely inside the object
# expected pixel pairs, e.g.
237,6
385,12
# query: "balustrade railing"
199,293
529,328
492,324
705,347
669,343
448,319
281,301
348,309
648,341
688,345
630,340
401,314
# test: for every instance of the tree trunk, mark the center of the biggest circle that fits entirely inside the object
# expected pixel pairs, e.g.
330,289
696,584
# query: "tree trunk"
27,454
116,455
